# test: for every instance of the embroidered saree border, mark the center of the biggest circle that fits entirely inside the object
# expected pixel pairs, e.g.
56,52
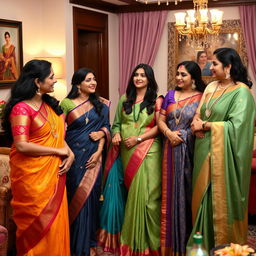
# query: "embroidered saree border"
109,242
219,197
83,191
200,187
127,251
41,225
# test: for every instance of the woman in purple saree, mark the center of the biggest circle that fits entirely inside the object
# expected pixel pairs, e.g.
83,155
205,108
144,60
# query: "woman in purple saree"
87,131
176,114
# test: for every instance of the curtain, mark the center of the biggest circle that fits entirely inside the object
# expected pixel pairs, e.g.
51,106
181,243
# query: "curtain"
248,21
139,38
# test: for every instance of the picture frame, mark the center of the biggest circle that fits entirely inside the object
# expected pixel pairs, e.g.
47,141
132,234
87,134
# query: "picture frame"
11,53
179,50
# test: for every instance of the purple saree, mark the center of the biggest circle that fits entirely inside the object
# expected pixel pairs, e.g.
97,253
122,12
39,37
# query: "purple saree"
177,166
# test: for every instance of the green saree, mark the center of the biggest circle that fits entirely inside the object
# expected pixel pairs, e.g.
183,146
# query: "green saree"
222,168
140,233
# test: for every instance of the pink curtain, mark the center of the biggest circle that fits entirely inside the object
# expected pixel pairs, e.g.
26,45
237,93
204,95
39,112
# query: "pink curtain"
248,21
139,38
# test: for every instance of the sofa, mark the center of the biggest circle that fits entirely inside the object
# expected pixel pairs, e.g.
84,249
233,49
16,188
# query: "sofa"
5,199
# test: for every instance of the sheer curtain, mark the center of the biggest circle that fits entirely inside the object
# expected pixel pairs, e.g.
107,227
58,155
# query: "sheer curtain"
248,21
139,38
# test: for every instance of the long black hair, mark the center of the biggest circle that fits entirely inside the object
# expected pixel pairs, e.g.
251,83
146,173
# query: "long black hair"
77,79
25,88
238,72
150,95
195,72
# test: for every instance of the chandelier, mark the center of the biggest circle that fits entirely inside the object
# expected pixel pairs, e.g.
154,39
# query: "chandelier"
159,1
195,26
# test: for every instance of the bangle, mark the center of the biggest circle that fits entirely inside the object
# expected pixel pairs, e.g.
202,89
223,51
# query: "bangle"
204,125
165,131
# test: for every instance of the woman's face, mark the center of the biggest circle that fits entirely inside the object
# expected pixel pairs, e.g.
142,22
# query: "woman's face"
202,58
183,78
89,84
217,68
47,85
7,38
140,80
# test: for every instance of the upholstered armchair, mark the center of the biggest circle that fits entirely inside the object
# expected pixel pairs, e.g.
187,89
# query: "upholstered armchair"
5,198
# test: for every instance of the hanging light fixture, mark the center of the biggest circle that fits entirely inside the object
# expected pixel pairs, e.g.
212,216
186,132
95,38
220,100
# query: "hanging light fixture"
194,25
159,1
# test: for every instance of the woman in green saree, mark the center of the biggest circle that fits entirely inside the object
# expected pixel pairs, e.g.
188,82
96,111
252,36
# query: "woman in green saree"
135,132
222,160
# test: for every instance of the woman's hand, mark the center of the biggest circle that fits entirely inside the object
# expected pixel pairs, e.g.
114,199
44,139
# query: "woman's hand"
197,125
96,135
174,137
93,160
116,139
62,151
66,163
199,134
130,141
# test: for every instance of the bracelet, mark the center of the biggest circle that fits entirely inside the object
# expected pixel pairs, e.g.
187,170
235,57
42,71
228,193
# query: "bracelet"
165,131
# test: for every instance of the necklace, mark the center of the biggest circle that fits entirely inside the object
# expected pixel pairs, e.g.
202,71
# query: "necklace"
51,120
136,124
86,111
177,119
208,107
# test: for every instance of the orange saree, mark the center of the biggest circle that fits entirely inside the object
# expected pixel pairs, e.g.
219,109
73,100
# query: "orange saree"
39,194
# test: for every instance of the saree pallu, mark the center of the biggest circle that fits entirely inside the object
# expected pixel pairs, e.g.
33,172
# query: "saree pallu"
142,178
177,166
222,169
84,185
113,206
39,201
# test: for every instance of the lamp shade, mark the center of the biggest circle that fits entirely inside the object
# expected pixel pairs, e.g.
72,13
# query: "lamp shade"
57,65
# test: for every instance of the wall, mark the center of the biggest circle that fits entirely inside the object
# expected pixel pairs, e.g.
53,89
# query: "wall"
161,62
112,48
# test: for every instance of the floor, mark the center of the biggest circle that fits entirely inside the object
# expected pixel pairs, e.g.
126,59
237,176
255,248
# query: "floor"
251,241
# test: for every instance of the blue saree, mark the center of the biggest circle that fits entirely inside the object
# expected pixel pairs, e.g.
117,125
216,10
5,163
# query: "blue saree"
84,185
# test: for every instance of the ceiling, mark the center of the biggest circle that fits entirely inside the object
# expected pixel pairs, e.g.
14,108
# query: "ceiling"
118,6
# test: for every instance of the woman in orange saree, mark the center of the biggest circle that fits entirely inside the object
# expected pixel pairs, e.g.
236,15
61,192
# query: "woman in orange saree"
39,159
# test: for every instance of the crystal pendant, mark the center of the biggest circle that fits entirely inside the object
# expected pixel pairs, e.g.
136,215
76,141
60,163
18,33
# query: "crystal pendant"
86,120
177,121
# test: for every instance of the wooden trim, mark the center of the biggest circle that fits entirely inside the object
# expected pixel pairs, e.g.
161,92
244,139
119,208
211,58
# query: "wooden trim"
141,7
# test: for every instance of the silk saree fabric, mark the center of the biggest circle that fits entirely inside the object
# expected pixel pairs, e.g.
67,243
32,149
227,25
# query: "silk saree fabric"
84,185
39,197
142,178
177,166
222,168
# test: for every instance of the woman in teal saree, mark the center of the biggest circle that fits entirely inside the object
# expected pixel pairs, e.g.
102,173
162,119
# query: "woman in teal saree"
223,156
135,132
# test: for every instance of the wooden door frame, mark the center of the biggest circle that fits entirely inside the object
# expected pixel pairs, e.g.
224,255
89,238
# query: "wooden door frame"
96,22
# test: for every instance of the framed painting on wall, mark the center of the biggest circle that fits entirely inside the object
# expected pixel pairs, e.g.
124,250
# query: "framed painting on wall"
180,50
11,57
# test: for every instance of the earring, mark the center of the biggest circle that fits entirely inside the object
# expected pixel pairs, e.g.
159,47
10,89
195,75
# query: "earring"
227,74
193,86
38,92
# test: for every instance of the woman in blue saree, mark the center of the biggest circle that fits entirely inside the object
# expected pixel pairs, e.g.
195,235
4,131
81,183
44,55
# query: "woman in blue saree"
87,132
176,115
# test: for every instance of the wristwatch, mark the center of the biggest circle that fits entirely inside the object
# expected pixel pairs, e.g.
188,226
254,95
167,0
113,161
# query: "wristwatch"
139,139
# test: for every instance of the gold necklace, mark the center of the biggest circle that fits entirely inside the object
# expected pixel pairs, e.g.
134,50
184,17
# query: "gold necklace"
177,119
208,109
51,122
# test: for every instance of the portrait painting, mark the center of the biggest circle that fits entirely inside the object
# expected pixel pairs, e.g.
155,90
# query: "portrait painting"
11,58
181,49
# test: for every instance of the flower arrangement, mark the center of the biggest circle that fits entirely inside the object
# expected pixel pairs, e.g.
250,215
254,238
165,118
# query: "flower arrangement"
235,250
